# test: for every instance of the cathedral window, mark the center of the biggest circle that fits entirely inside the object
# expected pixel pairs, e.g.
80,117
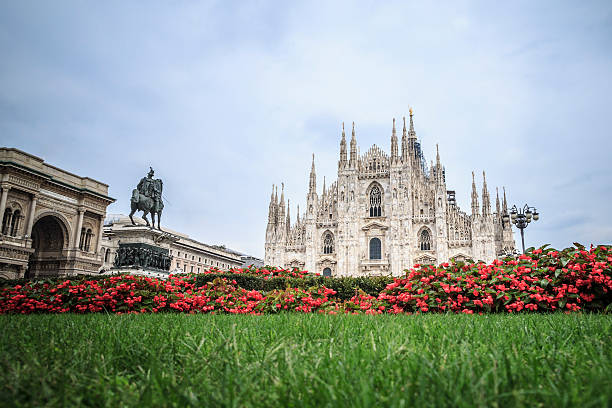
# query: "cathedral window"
375,202
375,252
425,240
327,272
328,244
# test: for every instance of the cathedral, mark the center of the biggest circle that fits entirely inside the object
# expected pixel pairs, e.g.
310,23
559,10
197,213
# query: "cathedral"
384,214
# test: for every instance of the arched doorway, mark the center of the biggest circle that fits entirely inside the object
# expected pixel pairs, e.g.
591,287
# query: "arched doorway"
48,241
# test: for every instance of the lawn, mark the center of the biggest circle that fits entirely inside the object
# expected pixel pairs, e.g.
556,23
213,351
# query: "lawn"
306,360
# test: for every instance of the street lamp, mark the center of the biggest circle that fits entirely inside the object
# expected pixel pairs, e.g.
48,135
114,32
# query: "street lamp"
521,217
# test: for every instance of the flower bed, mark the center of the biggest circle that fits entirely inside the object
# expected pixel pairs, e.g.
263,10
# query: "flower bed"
544,280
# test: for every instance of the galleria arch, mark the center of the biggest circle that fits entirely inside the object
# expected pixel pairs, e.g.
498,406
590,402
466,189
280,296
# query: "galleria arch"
54,207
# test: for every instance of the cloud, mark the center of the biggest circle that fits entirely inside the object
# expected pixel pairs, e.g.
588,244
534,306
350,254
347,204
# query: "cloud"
225,99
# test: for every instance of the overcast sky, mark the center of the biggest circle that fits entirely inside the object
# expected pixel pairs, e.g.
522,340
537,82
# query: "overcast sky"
225,98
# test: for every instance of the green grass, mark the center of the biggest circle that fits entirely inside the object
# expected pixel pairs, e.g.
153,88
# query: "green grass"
306,360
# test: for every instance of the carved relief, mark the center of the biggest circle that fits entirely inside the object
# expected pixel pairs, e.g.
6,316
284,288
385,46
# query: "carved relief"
95,205
23,182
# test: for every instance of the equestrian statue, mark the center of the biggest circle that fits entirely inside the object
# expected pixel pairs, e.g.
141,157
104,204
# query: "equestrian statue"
147,197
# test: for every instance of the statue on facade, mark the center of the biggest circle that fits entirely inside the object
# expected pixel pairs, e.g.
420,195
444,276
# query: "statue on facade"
147,197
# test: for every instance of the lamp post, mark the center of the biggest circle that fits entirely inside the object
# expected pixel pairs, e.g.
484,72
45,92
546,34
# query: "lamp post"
521,217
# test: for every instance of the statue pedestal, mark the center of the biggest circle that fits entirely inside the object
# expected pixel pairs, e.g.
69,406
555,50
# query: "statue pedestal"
140,272
144,251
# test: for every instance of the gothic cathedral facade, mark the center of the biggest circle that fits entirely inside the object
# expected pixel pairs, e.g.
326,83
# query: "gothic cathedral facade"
383,215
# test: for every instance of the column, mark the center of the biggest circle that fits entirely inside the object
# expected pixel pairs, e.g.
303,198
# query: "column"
99,243
5,190
28,231
77,234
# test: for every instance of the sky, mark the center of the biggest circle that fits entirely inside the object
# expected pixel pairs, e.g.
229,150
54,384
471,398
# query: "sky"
225,98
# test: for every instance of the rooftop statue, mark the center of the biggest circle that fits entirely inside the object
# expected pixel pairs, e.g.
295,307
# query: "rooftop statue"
147,197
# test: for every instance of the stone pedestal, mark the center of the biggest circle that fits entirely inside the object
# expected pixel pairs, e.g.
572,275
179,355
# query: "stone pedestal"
143,251
145,256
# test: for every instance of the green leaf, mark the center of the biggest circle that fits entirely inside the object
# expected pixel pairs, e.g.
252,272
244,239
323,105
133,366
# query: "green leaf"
544,283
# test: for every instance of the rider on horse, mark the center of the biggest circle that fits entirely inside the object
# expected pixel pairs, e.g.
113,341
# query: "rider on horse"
147,197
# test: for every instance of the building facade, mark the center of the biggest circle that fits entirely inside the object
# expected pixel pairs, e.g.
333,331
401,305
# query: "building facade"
188,255
384,214
51,219
249,260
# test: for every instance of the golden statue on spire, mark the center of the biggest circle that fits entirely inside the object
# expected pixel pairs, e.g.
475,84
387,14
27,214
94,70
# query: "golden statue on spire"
410,110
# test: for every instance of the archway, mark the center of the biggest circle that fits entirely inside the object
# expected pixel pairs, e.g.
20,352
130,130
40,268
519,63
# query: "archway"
48,240
327,272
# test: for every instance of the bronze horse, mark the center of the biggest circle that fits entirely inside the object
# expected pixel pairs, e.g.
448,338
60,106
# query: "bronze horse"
153,205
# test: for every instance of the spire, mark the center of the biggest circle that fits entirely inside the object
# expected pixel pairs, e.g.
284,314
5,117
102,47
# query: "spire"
342,162
413,151
353,158
281,205
404,143
271,208
486,201
394,156
505,203
312,188
475,208
275,204
298,214
497,209
288,217
439,171
323,186
411,132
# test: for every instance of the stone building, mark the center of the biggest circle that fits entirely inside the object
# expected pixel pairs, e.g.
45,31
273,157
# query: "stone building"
51,219
249,260
384,214
188,254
